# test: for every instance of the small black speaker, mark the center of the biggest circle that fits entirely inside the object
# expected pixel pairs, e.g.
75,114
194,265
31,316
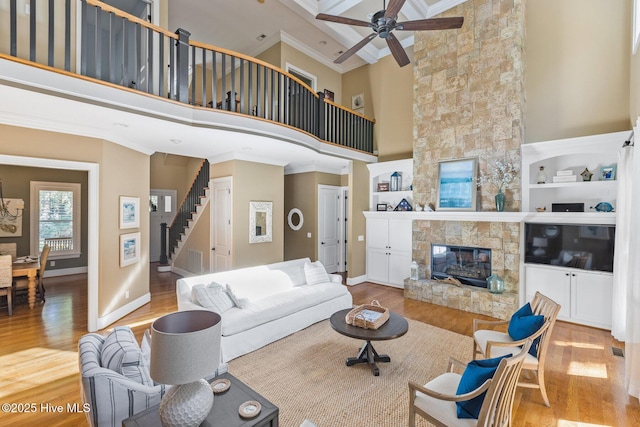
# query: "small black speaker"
567,207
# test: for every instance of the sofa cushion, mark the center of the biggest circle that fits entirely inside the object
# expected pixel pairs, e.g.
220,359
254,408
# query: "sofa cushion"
296,274
212,297
315,273
121,354
276,306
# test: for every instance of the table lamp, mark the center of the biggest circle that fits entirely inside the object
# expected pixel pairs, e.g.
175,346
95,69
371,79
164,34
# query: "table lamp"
185,348
539,243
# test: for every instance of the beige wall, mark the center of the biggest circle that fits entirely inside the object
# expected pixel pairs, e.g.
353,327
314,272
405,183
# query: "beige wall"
173,172
121,172
327,78
577,68
260,183
358,203
301,191
388,92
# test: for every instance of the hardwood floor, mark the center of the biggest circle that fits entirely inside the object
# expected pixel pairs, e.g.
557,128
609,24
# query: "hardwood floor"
39,361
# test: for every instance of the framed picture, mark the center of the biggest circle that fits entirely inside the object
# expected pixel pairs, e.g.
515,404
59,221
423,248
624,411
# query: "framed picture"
608,173
383,186
129,212
357,101
381,207
457,187
328,95
129,249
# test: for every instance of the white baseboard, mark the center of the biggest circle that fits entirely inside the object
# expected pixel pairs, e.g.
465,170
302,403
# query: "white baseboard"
105,321
65,271
181,272
351,281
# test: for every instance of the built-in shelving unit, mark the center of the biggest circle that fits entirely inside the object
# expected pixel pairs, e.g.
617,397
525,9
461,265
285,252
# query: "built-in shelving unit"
381,173
592,152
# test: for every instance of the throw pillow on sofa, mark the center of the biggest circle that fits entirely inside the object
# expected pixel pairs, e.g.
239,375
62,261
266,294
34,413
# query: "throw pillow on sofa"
121,354
213,297
238,302
315,273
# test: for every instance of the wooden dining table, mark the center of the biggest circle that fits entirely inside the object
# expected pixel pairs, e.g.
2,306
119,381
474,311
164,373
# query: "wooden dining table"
30,270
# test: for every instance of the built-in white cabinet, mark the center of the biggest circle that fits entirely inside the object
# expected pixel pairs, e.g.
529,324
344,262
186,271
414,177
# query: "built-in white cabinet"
380,173
388,242
585,296
573,154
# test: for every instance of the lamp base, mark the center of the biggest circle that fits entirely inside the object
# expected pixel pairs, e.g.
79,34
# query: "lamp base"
186,405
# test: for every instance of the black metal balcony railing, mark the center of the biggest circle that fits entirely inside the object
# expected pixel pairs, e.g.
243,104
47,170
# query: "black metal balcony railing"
121,49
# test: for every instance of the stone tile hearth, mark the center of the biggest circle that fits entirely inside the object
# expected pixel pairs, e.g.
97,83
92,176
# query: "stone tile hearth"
465,298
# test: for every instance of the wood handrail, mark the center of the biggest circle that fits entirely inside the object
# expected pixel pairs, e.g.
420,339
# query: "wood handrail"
252,60
348,110
132,18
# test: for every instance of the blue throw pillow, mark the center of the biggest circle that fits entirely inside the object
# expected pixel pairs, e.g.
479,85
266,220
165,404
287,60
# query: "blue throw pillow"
523,324
475,374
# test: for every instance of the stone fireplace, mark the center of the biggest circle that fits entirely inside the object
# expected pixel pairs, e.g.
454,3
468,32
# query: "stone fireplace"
469,265
469,102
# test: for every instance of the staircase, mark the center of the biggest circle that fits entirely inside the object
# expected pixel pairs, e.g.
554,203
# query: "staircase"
189,211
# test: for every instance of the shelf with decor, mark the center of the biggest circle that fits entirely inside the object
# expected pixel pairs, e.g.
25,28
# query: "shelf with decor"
567,159
381,176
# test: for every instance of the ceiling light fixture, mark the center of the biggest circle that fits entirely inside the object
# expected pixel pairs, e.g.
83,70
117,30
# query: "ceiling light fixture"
261,37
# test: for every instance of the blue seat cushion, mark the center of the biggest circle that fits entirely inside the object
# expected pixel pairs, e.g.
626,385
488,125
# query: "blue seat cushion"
474,375
523,324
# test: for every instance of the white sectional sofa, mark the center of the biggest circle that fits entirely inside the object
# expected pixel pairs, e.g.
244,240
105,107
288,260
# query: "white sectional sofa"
277,302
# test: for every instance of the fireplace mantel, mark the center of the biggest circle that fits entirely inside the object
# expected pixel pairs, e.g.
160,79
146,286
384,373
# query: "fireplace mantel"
488,216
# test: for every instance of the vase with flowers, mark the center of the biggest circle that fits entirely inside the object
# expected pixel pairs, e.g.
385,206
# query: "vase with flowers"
500,174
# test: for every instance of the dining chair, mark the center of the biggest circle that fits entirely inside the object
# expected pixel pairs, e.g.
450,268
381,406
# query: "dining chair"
437,401
6,278
22,283
490,343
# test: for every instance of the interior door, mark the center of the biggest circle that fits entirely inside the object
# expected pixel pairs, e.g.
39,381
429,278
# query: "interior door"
162,208
221,225
329,220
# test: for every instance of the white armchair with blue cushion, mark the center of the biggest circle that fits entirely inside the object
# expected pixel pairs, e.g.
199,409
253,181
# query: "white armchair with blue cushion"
115,379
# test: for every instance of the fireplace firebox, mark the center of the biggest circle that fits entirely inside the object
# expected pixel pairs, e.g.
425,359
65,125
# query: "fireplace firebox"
470,265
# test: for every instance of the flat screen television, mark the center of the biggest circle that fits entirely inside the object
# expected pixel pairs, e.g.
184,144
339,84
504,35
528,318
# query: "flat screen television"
588,247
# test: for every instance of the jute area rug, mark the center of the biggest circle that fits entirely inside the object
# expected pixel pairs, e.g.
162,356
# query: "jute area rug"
305,375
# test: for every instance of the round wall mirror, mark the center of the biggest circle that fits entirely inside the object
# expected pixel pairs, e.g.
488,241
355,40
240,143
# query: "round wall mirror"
295,219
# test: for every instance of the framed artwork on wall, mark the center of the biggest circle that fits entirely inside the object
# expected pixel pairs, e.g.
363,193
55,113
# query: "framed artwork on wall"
457,184
129,212
357,101
129,249
608,173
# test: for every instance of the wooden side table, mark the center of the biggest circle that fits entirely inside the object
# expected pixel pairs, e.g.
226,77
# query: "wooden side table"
224,412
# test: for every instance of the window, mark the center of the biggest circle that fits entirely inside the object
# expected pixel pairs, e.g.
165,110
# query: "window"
55,218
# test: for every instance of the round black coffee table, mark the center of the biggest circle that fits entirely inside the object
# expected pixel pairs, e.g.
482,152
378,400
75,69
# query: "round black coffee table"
395,327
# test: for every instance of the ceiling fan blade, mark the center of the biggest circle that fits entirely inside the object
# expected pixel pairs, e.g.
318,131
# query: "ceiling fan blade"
342,20
393,8
355,48
431,24
397,50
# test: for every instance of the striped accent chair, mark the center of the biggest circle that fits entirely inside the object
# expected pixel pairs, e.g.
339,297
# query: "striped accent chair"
115,379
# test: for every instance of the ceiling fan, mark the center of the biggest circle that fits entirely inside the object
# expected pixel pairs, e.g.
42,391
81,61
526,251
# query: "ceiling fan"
384,22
